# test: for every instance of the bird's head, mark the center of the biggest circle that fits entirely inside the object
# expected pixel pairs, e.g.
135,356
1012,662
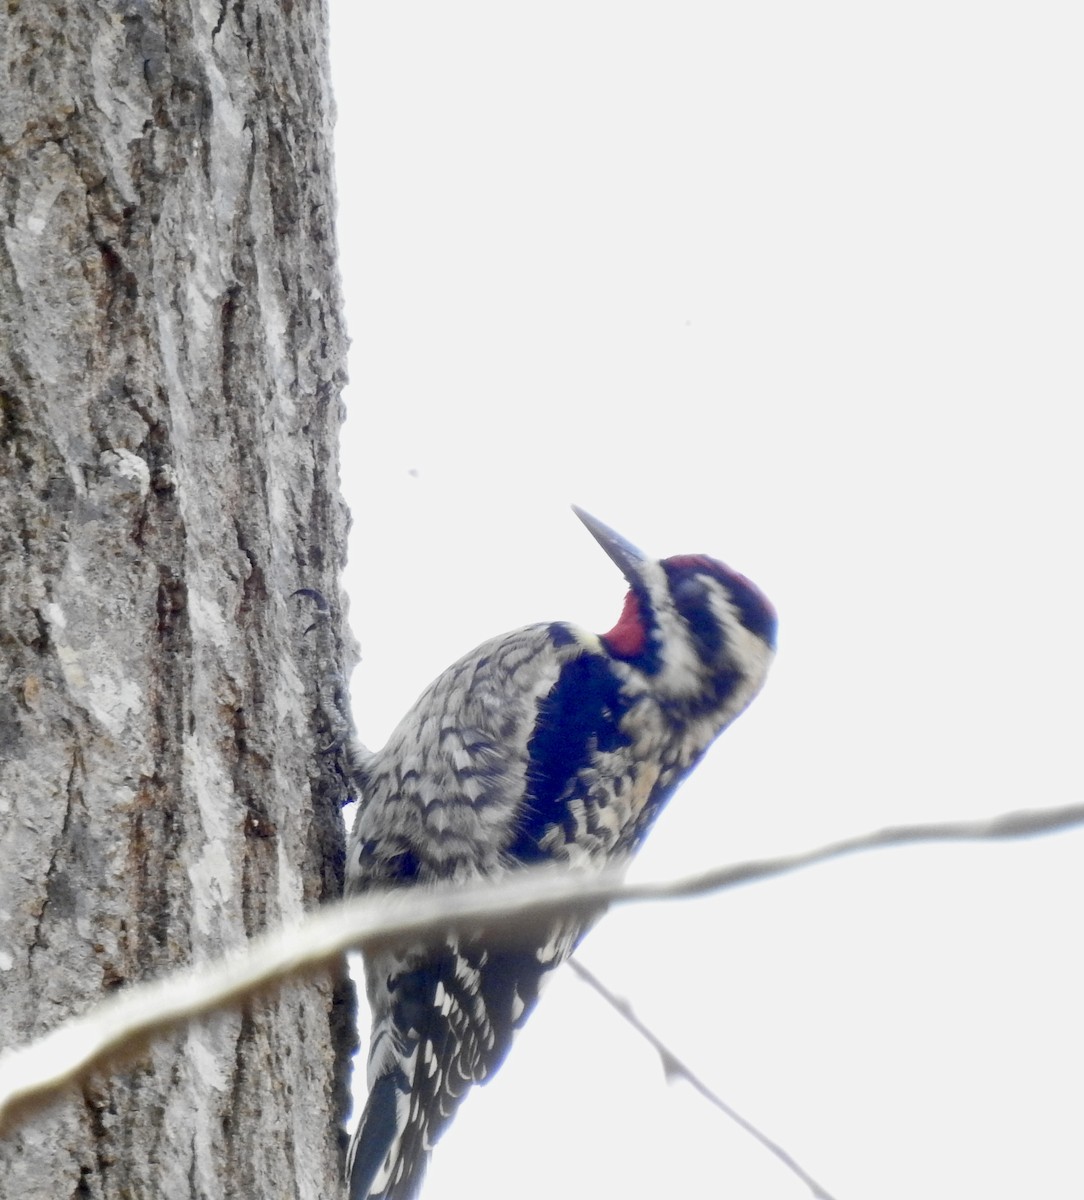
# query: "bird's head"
702,634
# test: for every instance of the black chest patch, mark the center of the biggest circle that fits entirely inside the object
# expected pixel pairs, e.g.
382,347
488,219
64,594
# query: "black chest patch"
579,719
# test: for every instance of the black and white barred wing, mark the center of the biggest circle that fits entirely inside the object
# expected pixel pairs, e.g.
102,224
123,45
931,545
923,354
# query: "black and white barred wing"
449,800
444,1017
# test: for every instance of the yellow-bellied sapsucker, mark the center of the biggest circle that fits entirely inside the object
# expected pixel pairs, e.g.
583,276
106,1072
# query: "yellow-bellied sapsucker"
545,745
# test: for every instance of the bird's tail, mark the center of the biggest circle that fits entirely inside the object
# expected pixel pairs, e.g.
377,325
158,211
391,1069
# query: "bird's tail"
432,1039
444,1016
384,1160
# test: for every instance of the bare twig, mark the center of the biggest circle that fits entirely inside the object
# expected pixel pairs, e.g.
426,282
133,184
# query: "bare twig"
119,1027
675,1068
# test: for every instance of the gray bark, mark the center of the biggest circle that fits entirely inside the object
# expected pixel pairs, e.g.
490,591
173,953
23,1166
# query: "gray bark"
171,355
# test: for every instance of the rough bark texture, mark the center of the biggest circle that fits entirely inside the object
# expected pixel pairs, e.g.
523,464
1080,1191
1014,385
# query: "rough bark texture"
170,362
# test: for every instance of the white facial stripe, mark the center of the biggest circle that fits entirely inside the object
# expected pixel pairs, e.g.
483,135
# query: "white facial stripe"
749,653
680,671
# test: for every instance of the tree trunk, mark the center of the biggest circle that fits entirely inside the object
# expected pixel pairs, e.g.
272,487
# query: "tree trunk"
171,354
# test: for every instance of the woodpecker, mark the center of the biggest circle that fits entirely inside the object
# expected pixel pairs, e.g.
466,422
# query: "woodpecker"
545,745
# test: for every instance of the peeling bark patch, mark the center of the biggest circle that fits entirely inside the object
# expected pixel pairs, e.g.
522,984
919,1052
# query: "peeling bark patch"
154,835
172,603
258,826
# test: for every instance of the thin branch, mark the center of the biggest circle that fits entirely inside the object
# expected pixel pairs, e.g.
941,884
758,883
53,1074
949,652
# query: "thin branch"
675,1068
121,1026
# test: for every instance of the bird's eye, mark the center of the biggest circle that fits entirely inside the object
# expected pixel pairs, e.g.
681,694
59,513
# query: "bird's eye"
689,590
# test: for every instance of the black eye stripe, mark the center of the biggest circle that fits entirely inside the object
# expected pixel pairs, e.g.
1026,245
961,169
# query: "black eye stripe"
690,587
756,614
691,599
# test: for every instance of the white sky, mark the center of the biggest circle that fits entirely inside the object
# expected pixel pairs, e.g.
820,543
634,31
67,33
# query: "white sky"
800,286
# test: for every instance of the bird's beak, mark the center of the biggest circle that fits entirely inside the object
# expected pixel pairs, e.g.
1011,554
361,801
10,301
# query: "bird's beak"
623,553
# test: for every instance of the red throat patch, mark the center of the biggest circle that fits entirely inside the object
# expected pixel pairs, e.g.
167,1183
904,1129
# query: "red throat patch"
628,637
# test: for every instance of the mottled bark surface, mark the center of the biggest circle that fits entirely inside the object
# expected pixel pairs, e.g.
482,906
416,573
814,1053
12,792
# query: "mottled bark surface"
171,355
